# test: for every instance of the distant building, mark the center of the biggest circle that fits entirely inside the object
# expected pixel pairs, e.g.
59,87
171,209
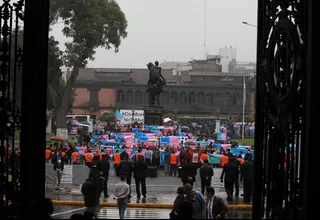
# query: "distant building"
197,88
227,54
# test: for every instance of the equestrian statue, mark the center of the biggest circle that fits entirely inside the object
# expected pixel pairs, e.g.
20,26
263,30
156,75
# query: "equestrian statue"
156,82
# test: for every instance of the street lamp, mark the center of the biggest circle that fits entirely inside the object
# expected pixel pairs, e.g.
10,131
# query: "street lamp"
246,23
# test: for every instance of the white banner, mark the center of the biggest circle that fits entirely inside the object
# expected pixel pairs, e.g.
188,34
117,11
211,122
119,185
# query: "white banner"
67,174
132,116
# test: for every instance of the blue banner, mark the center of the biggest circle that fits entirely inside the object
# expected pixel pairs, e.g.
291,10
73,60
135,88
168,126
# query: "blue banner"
162,158
165,140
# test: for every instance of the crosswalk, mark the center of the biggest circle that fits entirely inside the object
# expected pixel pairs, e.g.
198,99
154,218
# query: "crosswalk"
135,213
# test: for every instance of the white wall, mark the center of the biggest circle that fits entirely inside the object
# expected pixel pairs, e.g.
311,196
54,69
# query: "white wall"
227,54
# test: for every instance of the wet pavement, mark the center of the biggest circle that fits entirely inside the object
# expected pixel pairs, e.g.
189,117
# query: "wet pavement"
159,190
65,212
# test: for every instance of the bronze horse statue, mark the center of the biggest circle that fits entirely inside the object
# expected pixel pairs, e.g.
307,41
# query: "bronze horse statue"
156,83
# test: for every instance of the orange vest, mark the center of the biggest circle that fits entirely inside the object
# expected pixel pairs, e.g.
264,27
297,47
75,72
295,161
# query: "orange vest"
89,157
48,154
224,160
173,159
138,155
116,158
204,157
101,155
75,156
241,160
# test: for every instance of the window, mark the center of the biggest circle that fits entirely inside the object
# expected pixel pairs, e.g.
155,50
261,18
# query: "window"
94,97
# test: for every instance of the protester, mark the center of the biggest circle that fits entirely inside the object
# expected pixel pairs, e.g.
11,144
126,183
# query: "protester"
173,163
122,191
116,161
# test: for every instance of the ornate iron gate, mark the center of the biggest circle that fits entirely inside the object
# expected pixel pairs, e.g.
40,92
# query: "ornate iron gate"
279,109
11,18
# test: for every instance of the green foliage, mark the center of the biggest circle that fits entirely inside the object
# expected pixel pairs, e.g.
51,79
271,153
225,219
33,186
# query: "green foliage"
246,141
172,116
89,24
107,117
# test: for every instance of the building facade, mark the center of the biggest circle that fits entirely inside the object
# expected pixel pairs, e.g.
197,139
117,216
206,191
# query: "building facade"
201,90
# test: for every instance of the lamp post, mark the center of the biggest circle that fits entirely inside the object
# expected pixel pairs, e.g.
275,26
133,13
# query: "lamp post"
246,23
218,121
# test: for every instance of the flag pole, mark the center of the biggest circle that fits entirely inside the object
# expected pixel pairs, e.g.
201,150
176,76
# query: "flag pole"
243,105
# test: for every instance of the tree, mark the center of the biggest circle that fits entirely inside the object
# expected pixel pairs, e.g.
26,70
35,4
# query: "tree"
107,117
172,116
89,24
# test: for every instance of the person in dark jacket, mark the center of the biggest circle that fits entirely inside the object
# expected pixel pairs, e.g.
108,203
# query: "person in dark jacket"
156,157
177,203
126,169
188,172
230,173
246,170
91,190
140,175
206,174
58,166
215,206
104,167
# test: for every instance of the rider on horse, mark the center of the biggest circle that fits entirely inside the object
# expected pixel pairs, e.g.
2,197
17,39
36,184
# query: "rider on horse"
155,76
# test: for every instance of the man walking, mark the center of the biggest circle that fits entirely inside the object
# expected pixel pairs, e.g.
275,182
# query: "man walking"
148,157
104,167
246,170
140,175
122,191
230,175
206,174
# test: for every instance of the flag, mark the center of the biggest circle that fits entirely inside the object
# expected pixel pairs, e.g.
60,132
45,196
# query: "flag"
244,92
118,116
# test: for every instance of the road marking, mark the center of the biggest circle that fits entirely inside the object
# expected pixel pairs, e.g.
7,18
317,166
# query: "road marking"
66,212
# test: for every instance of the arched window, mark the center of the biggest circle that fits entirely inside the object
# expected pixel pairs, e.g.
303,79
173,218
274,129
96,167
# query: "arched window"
138,97
120,97
129,97
201,98
183,98
192,98
174,98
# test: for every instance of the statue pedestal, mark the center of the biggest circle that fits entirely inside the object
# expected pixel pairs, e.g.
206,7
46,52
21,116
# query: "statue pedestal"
153,115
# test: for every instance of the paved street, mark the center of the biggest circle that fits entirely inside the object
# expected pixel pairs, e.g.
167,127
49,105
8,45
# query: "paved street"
159,190
65,212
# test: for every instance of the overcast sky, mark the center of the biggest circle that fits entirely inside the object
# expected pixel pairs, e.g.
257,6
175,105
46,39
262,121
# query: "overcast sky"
173,30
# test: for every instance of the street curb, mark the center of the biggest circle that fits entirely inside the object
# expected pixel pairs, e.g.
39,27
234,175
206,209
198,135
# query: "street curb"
139,205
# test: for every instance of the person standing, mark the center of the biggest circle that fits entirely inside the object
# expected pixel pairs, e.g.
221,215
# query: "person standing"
215,206
126,169
206,174
91,191
116,161
48,155
156,157
230,173
58,165
246,170
121,192
89,159
140,175
148,157
173,163
104,167
75,157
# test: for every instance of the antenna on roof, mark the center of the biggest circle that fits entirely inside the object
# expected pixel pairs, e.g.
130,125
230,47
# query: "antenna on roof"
204,28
